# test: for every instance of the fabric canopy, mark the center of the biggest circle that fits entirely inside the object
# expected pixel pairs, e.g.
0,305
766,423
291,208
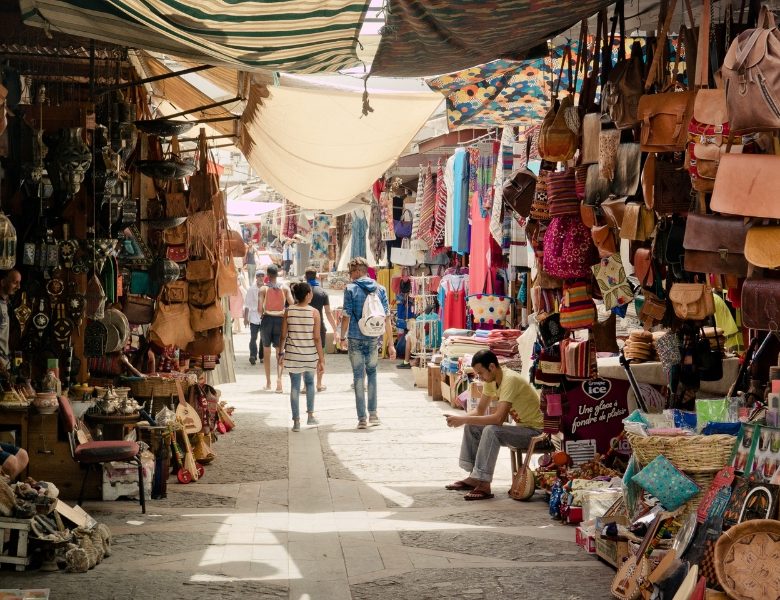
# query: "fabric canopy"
431,37
502,92
314,147
296,36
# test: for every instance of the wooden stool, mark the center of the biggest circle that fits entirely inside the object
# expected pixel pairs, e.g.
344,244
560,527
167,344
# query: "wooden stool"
516,454
20,530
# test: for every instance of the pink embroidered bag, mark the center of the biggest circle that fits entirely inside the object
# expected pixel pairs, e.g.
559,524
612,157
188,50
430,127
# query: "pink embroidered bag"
568,249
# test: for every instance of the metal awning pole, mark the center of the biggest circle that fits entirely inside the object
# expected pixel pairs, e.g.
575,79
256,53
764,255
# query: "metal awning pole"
204,107
122,86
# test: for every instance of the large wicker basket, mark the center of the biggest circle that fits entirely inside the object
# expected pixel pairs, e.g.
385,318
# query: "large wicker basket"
149,387
692,453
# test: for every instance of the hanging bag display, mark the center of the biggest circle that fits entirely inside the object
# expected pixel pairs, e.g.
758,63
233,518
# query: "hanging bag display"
540,207
667,184
205,318
489,309
403,227
761,304
562,194
738,173
227,276
205,194
716,244
751,75
591,122
762,246
558,139
171,325
138,309
568,249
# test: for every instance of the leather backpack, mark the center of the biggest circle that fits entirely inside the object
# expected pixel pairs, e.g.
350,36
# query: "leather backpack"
751,74
518,191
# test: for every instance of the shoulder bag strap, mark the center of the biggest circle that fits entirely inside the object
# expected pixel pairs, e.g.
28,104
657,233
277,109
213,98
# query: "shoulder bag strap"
566,54
703,50
656,66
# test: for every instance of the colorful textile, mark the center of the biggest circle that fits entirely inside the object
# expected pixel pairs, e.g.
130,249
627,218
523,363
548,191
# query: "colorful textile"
424,239
428,37
320,237
440,210
378,245
480,258
284,35
418,204
518,248
501,92
386,206
460,230
359,231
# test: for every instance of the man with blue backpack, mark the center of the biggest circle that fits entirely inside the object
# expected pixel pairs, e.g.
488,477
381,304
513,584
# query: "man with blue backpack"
366,319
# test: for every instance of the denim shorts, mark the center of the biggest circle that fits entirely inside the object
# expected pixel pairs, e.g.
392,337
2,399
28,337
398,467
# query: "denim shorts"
7,451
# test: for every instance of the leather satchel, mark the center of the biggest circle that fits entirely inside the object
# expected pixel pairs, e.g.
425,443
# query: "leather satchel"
665,118
692,301
210,317
178,253
202,293
761,304
715,244
138,309
200,270
518,190
171,325
211,342
747,185
638,222
235,244
762,246
653,310
751,74
643,267
614,211
176,292
176,235
623,89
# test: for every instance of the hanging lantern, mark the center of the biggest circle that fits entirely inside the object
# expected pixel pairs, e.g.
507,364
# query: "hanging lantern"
7,243
73,159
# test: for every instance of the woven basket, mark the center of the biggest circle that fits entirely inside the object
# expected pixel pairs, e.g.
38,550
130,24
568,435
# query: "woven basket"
746,560
149,387
704,481
691,454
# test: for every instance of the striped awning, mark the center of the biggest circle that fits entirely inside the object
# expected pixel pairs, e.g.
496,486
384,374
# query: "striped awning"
295,36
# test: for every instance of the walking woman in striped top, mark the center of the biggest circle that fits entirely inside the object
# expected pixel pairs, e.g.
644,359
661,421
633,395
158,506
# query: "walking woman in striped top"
302,353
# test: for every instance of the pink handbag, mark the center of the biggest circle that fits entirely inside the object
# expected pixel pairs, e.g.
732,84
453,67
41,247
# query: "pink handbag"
568,249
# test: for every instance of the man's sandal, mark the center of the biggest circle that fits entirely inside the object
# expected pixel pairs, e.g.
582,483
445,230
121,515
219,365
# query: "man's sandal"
478,495
459,486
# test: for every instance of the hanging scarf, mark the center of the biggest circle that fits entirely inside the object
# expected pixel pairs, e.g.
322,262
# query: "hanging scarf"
496,216
418,204
485,178
424,241
440,210
378,245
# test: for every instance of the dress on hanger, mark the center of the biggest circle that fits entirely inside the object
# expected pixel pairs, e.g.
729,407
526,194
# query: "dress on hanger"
460,232
455,305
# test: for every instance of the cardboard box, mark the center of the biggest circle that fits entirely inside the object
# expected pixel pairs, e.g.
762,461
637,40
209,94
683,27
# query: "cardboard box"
611,551
585,541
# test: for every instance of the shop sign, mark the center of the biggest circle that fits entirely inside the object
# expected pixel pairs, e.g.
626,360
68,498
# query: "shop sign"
596,409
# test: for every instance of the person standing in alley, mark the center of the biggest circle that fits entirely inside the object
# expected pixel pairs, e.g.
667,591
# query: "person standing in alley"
273,298
252,317
288,255
321,302
366,319
250,260
301,352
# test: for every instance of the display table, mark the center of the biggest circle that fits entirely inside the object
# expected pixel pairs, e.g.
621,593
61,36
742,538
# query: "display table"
653,373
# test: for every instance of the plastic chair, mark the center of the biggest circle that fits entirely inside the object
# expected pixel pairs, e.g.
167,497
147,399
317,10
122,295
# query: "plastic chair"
93,453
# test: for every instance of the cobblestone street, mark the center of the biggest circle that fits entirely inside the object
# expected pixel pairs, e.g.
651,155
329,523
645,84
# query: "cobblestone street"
332,513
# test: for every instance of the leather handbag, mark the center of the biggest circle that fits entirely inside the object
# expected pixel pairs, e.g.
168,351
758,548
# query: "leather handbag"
623,88
671,185
665,116
540,209
138,309
653,310
638,222
202,293
597,187
175,292
589,215
614,211
604,240
692,301
227,277
211,342
747,185
613,283
762,246
715,244
751,75
235,244
518,191
761,304
205,194
403,227
605,335
558,140
643,267
176,235
200,270
209,317
171,325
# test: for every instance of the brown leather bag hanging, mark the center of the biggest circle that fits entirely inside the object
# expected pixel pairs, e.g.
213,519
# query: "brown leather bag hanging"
558,140
202,293
715,244
761,304
747,185
210,342
623,88
209,317
204,185
518,191
666,185
236,244
751,75
665,116
227,277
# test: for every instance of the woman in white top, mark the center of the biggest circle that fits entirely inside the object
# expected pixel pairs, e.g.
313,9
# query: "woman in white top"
302,353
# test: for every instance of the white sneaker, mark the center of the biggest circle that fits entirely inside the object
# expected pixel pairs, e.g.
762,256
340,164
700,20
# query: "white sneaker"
373,420
312,421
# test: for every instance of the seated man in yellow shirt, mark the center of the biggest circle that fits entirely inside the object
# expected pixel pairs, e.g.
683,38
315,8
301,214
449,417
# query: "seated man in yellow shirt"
484,434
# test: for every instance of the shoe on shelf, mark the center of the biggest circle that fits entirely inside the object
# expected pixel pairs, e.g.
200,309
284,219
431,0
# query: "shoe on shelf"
296,425
312,420
252,360
362,424
373,420
404,365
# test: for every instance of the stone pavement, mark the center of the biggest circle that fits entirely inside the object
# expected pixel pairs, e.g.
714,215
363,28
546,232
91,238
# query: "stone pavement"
333,513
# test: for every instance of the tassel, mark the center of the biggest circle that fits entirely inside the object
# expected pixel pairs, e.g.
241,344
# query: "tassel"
366,106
